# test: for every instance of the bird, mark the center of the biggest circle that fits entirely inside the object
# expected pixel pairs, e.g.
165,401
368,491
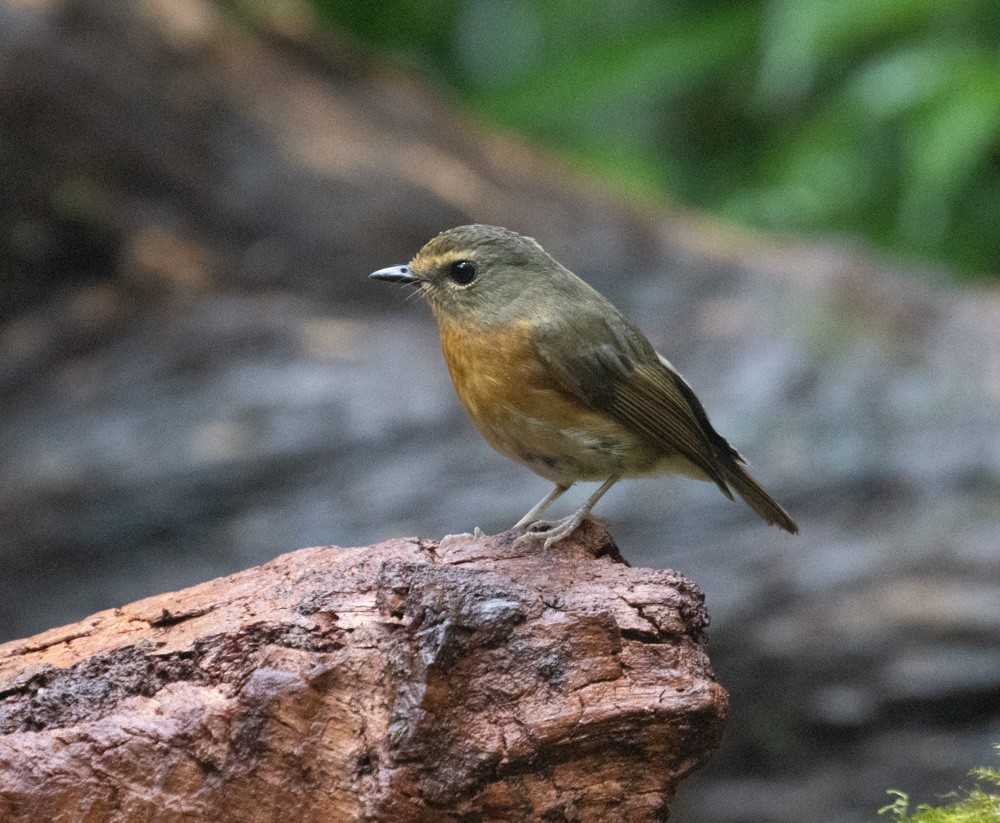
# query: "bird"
557,378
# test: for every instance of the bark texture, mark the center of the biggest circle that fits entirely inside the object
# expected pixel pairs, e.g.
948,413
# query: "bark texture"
471,679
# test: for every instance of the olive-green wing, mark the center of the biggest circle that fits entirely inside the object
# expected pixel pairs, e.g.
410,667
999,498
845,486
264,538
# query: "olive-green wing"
609,364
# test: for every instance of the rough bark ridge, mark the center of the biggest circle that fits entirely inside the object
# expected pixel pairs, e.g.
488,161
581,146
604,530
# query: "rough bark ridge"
473,679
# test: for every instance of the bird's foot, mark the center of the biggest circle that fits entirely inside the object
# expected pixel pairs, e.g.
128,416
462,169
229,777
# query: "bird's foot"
553,530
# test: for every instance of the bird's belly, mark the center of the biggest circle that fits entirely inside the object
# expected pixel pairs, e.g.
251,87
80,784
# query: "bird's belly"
524,414
563,452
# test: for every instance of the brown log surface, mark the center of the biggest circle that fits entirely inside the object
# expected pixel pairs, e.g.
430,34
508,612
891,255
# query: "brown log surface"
471,679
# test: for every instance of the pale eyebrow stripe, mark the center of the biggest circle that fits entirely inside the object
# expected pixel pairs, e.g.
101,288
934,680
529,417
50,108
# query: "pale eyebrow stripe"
437,260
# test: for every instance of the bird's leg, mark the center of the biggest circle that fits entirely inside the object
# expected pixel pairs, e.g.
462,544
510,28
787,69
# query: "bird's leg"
556,531
543,504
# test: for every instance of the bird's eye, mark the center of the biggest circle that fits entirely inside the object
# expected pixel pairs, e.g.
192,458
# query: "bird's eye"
463,272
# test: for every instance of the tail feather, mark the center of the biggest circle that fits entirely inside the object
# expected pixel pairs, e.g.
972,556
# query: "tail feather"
756,498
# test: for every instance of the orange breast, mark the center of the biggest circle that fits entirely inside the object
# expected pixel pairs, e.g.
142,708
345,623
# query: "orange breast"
524,414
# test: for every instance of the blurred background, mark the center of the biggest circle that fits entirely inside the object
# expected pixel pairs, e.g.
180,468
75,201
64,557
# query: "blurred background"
877,119
798,201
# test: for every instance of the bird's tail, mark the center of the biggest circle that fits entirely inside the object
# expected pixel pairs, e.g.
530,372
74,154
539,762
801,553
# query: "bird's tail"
756,498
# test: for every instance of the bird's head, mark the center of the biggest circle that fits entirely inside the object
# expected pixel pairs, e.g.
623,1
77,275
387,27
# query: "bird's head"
484,274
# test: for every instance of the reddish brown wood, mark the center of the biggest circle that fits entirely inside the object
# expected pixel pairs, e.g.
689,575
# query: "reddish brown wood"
467,680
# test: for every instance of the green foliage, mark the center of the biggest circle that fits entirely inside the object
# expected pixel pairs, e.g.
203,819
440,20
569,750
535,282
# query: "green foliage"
877,118
980,805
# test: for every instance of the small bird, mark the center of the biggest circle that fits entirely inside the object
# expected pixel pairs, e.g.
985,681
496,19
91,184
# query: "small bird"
555,377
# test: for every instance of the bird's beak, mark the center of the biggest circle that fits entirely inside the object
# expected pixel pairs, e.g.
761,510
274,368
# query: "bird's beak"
396,274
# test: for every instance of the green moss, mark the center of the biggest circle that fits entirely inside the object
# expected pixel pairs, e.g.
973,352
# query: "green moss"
978,805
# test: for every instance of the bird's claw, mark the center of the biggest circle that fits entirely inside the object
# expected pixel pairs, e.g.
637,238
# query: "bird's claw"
552,530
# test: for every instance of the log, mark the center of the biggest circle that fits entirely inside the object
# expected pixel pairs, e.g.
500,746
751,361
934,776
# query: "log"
468,679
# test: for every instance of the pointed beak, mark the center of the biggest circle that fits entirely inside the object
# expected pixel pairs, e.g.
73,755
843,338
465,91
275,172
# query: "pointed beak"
396,274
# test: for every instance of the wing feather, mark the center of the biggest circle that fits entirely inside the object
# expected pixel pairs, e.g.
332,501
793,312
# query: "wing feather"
617,371
608,364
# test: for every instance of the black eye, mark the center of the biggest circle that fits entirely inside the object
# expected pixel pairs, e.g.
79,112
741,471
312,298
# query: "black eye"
463,272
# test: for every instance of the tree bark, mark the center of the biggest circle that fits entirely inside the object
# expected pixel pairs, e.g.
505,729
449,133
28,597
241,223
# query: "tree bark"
471,679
